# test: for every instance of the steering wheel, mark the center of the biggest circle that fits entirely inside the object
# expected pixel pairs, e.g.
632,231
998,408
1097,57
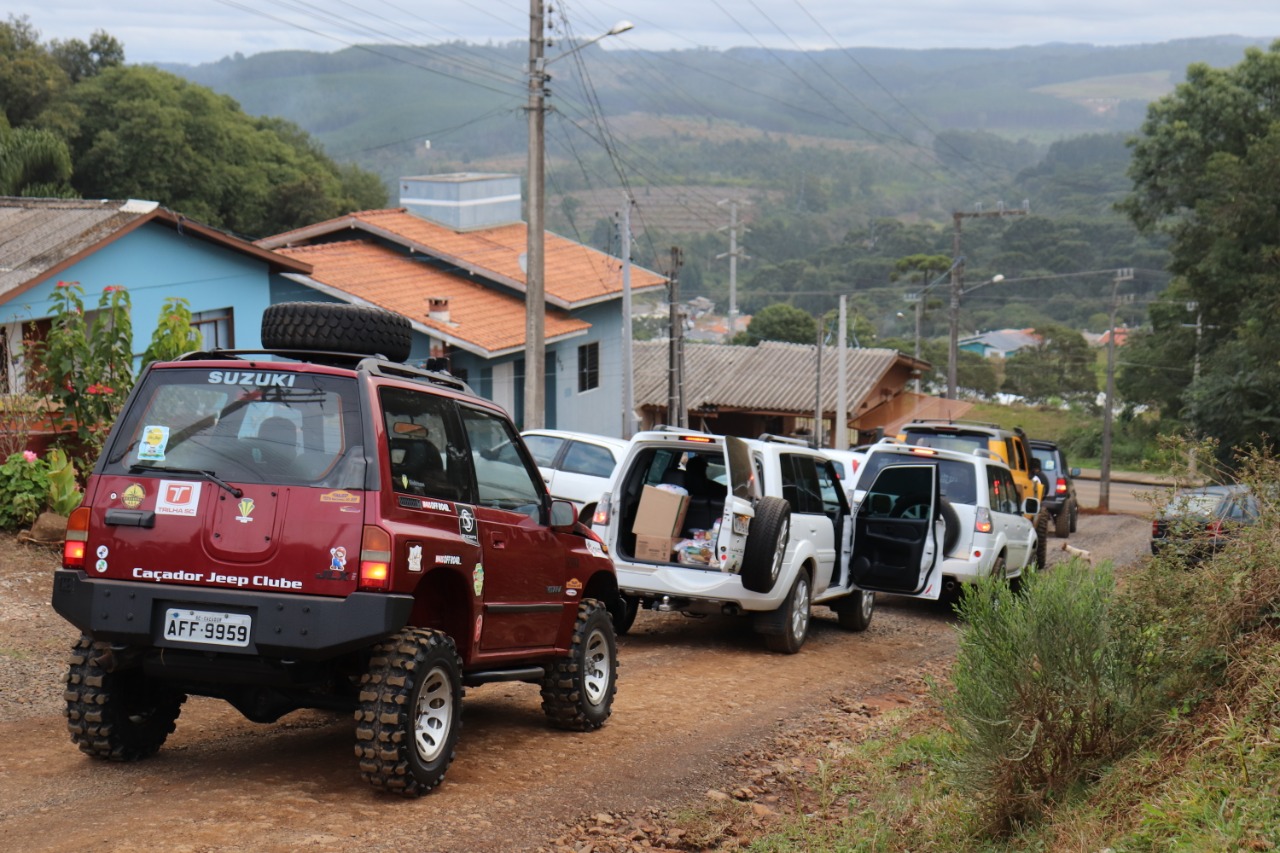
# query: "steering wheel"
912,506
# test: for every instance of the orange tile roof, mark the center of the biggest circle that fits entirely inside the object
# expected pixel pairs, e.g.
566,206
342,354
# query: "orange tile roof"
481,319
575,274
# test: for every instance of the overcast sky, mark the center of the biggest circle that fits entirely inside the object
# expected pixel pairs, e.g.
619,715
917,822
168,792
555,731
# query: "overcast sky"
195,31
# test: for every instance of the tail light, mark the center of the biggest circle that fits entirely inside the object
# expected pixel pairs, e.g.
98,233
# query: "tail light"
982,520
77,539
601,515
1214,528
1061,487
375,560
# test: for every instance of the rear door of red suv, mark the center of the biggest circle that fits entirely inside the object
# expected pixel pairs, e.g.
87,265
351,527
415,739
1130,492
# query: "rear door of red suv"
239,475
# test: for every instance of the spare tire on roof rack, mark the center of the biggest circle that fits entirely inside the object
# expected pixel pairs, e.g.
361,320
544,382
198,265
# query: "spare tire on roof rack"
337,327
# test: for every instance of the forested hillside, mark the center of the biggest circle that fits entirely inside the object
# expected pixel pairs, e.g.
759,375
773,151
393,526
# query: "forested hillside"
842,161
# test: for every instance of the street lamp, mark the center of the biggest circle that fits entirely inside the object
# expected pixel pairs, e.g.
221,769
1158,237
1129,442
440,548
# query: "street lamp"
535,345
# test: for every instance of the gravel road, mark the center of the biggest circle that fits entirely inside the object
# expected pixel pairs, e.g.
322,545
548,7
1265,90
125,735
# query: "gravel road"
702,710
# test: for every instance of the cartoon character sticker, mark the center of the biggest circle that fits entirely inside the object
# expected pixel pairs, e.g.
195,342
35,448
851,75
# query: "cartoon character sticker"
155,439
477,579
415,558
337,570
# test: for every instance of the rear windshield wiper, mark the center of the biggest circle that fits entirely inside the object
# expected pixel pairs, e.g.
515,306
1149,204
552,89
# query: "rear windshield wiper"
194,472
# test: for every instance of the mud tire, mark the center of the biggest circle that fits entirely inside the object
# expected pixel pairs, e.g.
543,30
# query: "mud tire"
766,545
409,712
578,692
337,327
1062,524
116,715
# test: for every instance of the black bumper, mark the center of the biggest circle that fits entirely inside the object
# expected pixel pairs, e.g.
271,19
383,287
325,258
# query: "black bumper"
304,627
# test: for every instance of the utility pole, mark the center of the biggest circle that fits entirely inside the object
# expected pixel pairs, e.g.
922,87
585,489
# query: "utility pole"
1104,479
628,373
842,382
732,255
957,285
675,347
817,390
535,344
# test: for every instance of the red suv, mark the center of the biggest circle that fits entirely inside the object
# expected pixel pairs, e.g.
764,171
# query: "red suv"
313,527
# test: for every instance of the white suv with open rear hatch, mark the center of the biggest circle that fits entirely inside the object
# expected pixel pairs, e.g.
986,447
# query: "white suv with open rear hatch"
987,531
717,524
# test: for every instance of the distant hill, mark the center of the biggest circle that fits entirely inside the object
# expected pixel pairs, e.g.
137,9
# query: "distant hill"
378,105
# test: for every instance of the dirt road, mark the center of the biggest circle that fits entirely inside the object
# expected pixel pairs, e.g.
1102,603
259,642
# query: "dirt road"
694,695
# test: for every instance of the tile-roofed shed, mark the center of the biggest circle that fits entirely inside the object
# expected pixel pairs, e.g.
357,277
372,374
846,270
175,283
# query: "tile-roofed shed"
773,377
575,275
43,236
481,320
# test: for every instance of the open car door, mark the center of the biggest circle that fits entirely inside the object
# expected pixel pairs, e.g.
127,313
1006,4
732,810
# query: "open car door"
739,505
897,542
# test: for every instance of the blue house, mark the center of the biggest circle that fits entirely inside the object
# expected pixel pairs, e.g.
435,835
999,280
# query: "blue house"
451,259
152,252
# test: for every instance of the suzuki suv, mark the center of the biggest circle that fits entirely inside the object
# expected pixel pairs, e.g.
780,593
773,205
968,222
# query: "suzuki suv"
716,524
313,527
987,532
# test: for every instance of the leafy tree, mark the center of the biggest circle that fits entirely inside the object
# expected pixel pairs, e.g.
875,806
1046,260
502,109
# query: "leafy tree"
1060,365
782,322
81,61
1205,153
30,78
138,132
33,163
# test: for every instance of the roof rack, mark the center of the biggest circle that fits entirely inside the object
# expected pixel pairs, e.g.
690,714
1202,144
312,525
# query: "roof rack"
950,422
357,361
782,439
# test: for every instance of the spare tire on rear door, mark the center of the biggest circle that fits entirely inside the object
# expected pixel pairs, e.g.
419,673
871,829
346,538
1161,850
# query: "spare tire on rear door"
337,327
766,544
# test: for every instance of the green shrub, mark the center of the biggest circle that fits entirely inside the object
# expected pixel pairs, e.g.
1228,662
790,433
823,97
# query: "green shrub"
24,489
1045,691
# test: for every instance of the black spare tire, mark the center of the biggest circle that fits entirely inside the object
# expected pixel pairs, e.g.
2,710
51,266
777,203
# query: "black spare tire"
766,544
337,327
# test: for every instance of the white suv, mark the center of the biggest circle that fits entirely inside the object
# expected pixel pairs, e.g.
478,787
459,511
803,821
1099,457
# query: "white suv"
716,524
987,531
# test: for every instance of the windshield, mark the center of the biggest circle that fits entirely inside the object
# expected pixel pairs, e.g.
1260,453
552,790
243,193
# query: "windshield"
245,426
965,442
956,480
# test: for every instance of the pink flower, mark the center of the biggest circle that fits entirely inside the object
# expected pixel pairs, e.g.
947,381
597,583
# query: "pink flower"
29,456
112,288
66,284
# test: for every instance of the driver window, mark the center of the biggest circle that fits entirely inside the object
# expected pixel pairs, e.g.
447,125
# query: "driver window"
503,479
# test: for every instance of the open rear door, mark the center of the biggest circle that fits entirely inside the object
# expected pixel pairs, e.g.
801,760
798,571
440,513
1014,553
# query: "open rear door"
739,505
896,540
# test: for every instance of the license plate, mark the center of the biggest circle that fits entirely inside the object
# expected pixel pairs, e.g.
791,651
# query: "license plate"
741,523
207,628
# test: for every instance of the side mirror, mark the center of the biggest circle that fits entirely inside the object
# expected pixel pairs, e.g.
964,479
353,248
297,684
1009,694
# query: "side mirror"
563,515
1075,472
1030,506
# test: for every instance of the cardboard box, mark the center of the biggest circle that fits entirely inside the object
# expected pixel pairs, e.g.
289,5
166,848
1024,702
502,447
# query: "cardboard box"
661,513
656,549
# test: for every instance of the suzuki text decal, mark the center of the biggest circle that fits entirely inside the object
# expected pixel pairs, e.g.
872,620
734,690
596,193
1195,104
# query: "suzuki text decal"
178,497
248,377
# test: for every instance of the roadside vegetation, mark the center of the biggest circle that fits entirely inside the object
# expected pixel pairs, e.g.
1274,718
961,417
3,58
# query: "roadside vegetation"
1091,710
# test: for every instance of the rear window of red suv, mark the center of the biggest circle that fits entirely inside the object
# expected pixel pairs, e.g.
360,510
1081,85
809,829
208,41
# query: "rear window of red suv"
244,425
